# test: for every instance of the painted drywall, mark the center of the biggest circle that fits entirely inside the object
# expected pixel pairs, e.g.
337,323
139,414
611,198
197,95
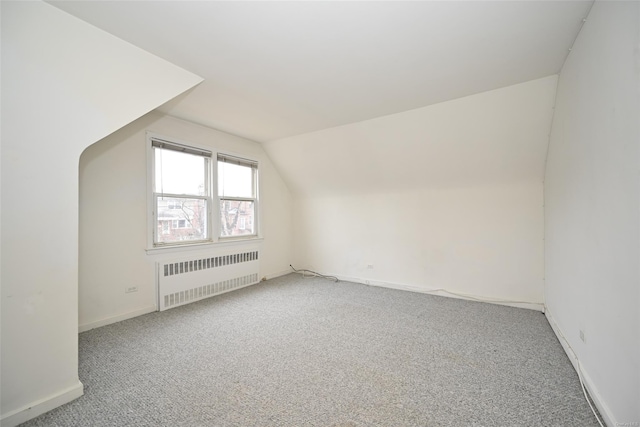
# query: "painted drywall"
591,208
65,85
277,69
485,139
444,197
113,217
482,241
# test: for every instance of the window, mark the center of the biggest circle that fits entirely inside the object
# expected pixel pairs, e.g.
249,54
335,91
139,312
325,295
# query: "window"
237,194
181,193
184,207
165,227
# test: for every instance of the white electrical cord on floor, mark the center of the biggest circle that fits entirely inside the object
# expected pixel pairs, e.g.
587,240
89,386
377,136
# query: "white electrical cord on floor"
579,371
313,274
475,298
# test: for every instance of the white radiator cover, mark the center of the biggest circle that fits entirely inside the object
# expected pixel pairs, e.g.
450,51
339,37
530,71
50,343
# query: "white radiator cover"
189,279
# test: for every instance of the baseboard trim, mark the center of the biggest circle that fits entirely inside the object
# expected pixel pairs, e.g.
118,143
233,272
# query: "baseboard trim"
119,318
39,407
605,412
278,274
443,293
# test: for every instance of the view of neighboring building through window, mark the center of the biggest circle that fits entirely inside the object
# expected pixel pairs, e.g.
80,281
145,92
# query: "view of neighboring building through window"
183,206
237,194
181,193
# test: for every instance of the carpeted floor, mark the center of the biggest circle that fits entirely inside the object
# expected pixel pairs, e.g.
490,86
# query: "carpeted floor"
312,352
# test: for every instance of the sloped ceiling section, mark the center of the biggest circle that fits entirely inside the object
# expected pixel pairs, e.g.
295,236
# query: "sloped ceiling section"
279,69
495,137
108,82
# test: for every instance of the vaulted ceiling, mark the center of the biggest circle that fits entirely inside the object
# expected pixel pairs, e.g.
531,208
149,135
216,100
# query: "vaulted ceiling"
278,69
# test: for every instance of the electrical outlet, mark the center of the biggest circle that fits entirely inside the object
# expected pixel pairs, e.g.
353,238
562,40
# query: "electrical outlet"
130,289
366,282
582,337
370,266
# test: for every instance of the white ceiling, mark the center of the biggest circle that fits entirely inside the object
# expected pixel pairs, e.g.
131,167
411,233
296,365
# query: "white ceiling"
278,69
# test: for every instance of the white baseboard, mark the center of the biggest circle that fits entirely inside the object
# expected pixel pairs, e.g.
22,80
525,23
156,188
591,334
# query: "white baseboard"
604,410
278,274
114,319
41,406
443,293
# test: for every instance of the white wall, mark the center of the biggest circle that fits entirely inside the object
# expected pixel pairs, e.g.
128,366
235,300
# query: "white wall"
65,84
113,217
591,208
482,241
447,196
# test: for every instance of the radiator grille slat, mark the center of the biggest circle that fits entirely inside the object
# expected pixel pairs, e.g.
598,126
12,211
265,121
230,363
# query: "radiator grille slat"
183,281
182,297
207,263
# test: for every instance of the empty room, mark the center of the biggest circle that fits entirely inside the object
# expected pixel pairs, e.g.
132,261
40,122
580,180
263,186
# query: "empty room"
320,213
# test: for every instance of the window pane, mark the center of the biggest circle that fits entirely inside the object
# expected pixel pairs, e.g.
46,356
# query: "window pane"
235,180
237,218
181,219
179,173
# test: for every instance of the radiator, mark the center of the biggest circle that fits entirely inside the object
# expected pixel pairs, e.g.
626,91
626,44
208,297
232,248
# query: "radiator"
191,279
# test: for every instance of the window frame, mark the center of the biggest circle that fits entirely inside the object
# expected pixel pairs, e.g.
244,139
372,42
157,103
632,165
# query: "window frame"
214,222
241,161
155,142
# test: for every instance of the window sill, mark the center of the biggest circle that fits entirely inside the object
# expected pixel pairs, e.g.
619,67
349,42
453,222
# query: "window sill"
203,246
